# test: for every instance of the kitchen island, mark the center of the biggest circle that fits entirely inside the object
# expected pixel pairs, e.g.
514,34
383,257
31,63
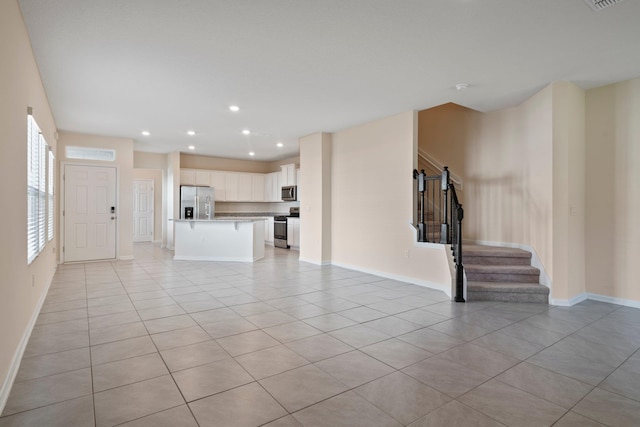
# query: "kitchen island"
223,239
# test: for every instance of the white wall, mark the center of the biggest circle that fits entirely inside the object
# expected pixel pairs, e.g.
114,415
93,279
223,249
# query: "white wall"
124,165
22,286
196,161
172,195
372,203
613,190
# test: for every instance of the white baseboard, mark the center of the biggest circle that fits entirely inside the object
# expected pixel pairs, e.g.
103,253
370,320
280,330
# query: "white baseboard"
155,242
5,390
614,300
397,277
126,258
595,297
569,302
545,279
314,261
215,258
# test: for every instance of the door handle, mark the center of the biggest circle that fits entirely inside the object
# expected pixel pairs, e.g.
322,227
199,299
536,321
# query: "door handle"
113,217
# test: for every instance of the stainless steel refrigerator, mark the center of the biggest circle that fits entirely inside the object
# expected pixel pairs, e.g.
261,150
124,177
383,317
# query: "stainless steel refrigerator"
197,202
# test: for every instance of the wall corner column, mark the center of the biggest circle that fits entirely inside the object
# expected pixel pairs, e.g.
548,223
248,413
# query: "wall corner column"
173,194
315,202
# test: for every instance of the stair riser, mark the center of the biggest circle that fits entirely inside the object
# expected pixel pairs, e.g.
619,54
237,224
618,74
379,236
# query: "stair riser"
508,297
496,277
489,260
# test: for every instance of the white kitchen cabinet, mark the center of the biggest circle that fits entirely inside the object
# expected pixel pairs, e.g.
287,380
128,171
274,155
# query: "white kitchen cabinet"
231,187
187,177
218,182
268,230
277,186
237,186
268,187
272,186
202,178
288,174
244,187
293,232
257,188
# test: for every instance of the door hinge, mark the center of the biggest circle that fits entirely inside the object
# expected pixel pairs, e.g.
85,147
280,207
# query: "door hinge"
63,212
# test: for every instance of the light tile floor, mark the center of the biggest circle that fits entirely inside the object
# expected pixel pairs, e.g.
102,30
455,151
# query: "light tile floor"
155,342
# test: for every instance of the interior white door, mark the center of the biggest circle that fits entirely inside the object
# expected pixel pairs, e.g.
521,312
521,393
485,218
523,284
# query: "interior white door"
89,213
143,210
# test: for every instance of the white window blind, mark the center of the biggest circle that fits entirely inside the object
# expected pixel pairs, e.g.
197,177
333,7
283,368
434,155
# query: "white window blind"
42,192
36,189
50,204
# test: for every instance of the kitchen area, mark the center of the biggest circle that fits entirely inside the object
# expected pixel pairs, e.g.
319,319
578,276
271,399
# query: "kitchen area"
231,216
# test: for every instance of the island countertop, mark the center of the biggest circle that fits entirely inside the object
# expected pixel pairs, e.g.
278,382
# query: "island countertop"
222,219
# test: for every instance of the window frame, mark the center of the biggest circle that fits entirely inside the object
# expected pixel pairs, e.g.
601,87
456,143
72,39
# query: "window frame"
37,148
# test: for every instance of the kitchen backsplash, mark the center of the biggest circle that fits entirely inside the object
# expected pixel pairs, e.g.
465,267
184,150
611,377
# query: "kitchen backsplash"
248,207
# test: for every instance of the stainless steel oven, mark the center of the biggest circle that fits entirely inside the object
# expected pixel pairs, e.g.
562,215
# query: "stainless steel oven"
280,232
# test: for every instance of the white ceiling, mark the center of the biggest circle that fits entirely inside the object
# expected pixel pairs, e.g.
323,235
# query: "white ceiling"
295,67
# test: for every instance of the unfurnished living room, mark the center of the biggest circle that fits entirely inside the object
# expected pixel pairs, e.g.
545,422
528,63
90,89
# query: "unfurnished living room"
332,213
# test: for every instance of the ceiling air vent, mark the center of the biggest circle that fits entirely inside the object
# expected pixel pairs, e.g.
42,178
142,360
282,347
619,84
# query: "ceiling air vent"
598,5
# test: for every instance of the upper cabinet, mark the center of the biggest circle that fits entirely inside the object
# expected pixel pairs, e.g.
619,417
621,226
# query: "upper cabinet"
272,185
257,188
187,177
244,187
288,174
202,178
231,187
218,182
241,186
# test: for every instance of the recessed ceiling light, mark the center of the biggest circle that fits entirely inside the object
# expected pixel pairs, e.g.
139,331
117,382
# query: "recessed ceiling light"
234,108
280,145
246,132
191,132
251,153
192,147
146,133
462,86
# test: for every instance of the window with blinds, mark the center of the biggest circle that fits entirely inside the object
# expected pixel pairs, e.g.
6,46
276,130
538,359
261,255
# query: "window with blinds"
36,189
50,204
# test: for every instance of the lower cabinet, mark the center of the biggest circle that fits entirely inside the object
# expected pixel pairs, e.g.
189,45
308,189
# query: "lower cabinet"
293,232
268,230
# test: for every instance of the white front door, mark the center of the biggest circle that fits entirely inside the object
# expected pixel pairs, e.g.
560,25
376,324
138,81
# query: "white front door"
143,210
89,213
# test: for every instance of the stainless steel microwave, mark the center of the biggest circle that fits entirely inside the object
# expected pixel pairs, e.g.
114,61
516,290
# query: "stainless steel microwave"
290,193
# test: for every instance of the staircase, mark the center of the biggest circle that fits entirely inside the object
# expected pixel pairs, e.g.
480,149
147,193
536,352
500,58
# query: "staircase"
502,274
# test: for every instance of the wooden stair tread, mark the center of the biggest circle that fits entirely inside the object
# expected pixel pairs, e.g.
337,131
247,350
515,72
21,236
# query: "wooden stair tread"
501,269
507,287
493,251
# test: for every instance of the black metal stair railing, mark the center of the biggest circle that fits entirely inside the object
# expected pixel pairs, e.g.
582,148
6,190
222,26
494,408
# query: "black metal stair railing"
440,217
